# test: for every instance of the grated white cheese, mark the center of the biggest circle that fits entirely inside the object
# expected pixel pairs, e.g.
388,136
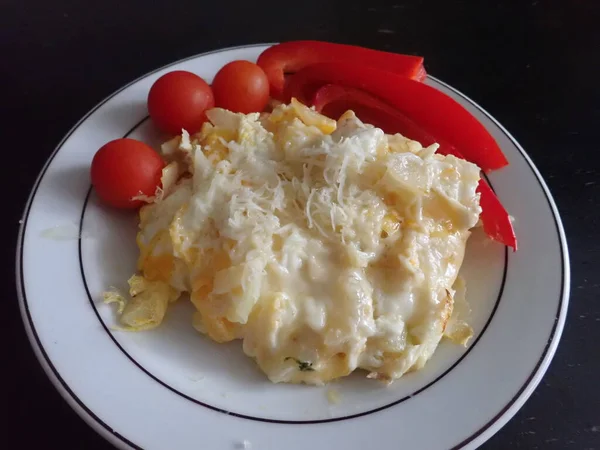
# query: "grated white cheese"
281,238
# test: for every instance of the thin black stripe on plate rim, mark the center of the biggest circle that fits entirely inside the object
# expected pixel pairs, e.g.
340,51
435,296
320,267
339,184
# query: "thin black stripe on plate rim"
53,373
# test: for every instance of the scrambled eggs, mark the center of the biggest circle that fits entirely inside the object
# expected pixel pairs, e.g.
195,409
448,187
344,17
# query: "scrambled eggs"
325,246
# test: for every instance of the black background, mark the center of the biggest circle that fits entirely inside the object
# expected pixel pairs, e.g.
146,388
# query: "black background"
534,65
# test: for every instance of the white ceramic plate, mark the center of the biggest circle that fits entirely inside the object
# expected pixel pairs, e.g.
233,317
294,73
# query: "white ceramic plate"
173,389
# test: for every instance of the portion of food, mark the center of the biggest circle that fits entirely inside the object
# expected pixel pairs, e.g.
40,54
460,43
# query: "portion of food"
325,246
242,87
125,169
290,57
179,100
324,243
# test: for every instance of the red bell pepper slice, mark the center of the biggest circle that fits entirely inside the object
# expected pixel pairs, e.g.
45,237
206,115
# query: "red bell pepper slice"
333,101
433,110
496,221
290,57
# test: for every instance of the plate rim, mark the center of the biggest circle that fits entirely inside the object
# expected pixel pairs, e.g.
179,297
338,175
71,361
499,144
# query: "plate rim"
476,438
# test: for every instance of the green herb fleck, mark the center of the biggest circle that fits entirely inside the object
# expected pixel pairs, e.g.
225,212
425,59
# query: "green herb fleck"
303,366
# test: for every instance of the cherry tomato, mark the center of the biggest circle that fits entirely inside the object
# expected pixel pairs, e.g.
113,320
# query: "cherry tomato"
123,169
179,100
241,86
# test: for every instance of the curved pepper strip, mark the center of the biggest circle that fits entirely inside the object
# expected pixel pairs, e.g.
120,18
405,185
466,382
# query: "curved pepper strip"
289,57
496,221
333,101
433,110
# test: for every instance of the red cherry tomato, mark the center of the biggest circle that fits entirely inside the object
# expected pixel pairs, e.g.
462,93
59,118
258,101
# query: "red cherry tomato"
123,169
241,86
179,100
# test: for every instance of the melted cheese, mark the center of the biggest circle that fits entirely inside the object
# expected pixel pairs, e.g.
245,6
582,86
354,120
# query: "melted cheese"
325,247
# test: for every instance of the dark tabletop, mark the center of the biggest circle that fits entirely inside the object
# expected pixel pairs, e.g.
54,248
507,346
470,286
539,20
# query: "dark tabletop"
534,65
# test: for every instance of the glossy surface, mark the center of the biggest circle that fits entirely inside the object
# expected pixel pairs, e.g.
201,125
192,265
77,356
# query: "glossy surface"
179,100
241,86
124,169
